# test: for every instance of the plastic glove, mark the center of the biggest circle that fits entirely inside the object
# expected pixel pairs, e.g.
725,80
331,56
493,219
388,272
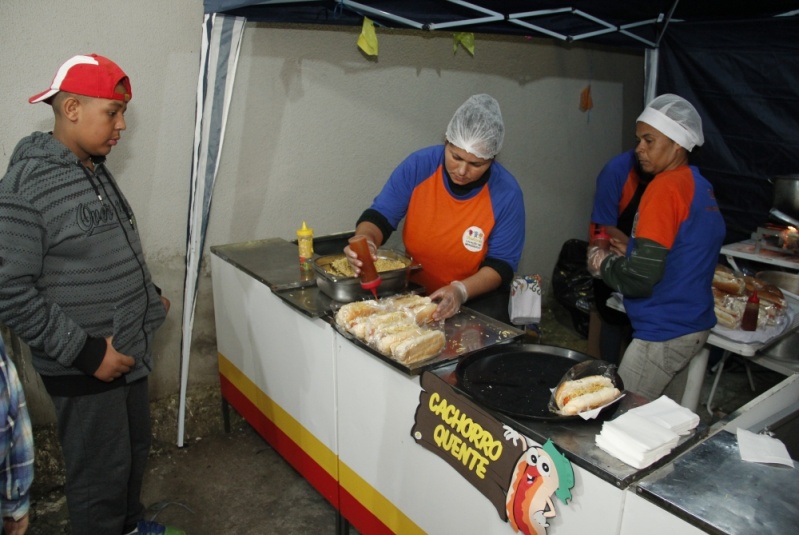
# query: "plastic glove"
352,256
449,298
596,256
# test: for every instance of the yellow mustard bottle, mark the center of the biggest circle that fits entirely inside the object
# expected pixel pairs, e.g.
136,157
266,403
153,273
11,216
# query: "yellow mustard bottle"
305,245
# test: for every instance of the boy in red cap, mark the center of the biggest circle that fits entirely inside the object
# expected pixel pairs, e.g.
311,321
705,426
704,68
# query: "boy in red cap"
75,287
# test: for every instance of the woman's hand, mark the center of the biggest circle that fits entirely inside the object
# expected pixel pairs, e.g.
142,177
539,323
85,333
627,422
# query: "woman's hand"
619,246
596,256
449,298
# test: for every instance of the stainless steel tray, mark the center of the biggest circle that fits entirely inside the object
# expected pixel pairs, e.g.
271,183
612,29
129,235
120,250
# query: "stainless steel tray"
346,289
466,331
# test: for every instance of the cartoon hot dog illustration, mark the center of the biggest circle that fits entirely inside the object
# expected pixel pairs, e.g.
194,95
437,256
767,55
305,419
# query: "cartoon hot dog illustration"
540,472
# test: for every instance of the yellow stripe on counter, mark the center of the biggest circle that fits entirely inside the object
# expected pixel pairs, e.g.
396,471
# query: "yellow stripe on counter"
377,504
312,446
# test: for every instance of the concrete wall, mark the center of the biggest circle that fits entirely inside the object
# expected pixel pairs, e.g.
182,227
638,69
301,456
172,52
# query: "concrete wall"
315,129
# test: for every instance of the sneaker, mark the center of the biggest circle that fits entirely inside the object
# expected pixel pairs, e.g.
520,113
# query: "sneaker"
148,527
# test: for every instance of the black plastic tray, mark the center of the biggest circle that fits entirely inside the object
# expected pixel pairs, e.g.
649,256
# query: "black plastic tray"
517,379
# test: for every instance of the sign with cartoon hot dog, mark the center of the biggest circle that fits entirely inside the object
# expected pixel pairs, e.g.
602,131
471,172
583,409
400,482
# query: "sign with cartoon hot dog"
518,475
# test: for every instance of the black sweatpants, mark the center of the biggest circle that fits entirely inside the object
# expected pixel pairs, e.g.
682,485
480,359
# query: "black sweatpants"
105,440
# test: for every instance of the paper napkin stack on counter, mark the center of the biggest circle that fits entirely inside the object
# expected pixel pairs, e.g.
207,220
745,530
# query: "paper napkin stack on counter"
667,413
643,435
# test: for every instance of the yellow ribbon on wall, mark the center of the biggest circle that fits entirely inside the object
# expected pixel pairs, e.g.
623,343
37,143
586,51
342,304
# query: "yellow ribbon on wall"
367,41
465,39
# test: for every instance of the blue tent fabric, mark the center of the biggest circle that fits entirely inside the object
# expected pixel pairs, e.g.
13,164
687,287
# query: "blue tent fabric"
744,86
221,43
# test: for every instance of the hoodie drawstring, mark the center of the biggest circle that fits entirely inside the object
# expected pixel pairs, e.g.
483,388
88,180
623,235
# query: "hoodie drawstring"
91,181
95,182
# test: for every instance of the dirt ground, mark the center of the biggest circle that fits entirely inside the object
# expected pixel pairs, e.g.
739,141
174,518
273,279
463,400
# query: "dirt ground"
203,419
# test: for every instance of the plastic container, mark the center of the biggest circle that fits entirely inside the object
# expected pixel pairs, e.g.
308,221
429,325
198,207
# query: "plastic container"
305,245
749,319
370,278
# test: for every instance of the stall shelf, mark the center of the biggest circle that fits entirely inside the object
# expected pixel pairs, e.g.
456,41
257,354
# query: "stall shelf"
747,250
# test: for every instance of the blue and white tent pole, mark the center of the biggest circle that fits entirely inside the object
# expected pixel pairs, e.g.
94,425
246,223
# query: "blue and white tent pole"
221,43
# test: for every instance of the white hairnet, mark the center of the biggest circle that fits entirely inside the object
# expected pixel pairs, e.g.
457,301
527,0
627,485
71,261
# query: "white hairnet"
676,118
477,127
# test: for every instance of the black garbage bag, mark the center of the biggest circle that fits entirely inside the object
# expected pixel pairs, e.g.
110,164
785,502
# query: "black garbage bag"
572,285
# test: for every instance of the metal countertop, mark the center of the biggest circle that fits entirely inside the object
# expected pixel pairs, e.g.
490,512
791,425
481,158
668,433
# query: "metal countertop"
713,488
274,262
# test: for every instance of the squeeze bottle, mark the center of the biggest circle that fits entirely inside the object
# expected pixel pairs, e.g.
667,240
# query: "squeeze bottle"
370,278
749,319
305,245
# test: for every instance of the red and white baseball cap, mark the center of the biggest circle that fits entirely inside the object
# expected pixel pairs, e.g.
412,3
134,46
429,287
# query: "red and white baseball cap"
91,76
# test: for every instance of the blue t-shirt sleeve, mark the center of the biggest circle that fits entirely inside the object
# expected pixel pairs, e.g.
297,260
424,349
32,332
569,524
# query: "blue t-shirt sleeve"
506,241
609,186
394,198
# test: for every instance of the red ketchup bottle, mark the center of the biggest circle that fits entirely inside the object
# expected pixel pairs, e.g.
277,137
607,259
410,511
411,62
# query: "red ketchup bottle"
749,319
370,278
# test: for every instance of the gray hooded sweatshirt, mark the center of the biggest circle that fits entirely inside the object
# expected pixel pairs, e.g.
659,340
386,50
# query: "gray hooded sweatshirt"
72,271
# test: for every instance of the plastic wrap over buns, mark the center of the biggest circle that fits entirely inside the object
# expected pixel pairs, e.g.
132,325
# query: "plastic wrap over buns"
400,327
731,290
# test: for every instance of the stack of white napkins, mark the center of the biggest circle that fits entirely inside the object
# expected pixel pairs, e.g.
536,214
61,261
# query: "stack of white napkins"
669,414
643,435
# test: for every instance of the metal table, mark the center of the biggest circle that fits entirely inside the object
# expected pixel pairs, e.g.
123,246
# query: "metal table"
747,250
713,489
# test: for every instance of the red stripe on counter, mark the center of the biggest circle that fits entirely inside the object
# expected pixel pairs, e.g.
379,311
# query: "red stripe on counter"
320,479
359,516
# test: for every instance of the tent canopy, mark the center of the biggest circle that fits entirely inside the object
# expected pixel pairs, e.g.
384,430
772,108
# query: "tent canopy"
737,61
629,23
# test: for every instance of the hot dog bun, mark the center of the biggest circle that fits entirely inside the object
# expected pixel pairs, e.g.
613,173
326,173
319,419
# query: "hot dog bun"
406,301
419,348
424,313
365,327
765,291
728,308
397,327
731,291
351,312
580,395
726,280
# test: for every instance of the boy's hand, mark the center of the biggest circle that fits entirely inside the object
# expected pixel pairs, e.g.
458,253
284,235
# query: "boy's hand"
166,303
114,363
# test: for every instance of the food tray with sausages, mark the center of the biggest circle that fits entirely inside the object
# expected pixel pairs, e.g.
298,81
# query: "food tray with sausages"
396,329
